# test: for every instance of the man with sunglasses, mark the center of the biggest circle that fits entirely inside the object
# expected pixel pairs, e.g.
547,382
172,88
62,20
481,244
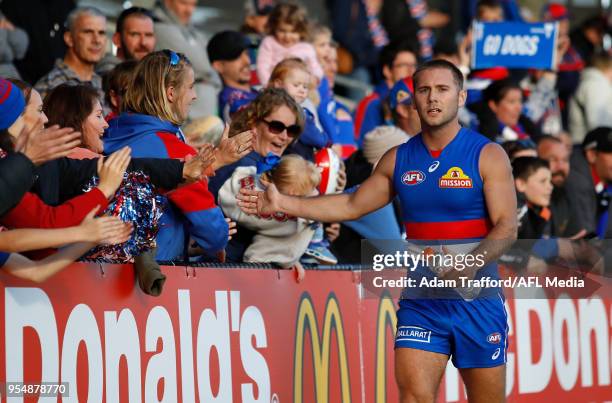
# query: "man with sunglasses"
453,184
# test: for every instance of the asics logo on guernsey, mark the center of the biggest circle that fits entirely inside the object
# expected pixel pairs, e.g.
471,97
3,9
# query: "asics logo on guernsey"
433,166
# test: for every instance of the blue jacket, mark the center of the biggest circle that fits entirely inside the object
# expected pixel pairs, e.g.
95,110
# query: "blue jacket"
341,131
192,211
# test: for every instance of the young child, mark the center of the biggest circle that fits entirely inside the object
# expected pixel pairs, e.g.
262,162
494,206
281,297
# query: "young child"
279,238
114,84
287,30
335,117
293,76
254,30
538,242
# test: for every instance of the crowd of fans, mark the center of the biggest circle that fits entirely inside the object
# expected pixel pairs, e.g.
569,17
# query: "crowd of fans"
143,150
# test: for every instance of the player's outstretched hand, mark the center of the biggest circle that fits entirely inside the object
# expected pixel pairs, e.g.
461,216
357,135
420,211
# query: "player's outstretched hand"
256,202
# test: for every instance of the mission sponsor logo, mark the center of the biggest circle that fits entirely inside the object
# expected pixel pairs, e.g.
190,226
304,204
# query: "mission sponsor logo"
454,178
413,177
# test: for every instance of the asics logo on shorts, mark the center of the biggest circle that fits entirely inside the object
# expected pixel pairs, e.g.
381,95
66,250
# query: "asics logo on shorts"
496,354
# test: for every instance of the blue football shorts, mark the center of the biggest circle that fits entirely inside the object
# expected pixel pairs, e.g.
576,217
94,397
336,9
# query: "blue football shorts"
473,333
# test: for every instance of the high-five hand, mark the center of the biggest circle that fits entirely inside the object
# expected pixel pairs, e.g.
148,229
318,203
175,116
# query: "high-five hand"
111,170
257,202
232,149
196,166
42,145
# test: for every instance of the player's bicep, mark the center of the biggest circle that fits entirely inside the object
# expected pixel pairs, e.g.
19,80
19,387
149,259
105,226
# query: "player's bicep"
499,190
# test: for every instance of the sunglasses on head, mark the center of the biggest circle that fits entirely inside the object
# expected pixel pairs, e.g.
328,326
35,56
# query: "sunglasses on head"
277,127
175,58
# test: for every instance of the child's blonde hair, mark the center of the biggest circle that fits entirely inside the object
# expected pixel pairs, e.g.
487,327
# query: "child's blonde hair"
283,68
317,30
290,14
294,174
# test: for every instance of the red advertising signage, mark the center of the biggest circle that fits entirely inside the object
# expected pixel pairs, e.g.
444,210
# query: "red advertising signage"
255,335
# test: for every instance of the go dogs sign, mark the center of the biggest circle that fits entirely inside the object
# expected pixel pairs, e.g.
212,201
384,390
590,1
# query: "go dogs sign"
514,45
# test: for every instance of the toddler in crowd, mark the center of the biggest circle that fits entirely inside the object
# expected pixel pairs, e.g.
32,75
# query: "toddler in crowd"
335,117
287,30
293,76
279,238
114,84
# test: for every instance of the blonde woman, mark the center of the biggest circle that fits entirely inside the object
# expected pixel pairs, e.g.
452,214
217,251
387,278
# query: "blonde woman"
155,105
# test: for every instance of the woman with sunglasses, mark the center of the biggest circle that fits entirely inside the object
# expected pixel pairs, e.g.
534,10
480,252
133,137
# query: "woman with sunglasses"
155,105
277,121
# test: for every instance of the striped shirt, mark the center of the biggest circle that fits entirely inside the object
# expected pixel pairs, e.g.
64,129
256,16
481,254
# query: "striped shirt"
61,74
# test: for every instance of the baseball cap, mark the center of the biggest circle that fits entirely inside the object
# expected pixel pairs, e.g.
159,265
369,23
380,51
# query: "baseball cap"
401,93
599,139
554,12
12,103
226,45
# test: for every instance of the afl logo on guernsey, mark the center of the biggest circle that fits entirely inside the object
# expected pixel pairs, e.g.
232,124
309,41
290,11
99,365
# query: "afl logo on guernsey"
455,178
413,178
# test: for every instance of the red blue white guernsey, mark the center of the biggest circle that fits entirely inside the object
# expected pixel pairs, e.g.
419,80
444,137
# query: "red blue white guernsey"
442,200
442,196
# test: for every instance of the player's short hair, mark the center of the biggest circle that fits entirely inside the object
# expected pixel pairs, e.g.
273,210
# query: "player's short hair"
439,64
